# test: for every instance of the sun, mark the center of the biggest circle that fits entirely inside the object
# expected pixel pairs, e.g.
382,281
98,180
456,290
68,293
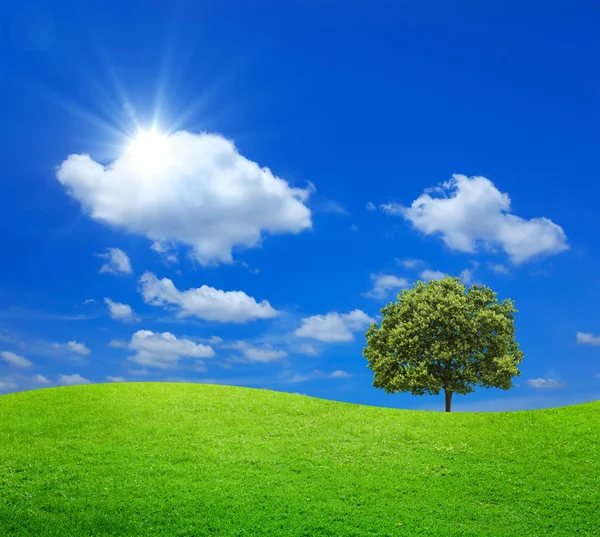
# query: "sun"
148,151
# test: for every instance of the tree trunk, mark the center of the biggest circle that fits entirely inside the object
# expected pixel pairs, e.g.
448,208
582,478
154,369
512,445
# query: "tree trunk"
448,400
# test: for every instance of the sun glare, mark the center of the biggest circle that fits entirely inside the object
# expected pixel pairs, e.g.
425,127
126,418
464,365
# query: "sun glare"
148,151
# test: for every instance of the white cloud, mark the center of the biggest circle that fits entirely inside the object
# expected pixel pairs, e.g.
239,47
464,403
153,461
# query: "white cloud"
41,379
14,359
587,338
120,312
307,349
194,189
331,206
79,348
255,354
410,263
432,275
370,206
498,268
70,380
72,346
384,283
334,327
289,377
544,383
166,251
8,384
340,374
89,301
467,275
118,262
115,379
205,302
473,213
164,350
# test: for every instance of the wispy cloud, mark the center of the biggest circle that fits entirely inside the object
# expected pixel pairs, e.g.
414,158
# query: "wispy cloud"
70,380
410,263
432,275
588,339
117,262
544,383
73,346
383,284
23,313
15,360
250,353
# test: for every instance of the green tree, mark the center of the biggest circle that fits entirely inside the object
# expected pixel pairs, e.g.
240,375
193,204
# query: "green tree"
441,336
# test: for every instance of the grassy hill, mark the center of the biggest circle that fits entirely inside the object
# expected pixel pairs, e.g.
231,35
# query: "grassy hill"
150,459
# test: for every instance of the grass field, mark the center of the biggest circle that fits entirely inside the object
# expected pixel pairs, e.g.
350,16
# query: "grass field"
176,459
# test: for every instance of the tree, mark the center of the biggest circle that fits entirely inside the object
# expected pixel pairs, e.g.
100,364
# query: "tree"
439,337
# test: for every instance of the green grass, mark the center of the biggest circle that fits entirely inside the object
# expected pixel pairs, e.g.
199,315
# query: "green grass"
149,459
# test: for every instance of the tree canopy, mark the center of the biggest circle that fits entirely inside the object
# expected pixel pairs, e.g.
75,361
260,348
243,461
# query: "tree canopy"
439,336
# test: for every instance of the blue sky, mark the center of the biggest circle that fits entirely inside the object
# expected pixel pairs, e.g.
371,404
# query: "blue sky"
308,160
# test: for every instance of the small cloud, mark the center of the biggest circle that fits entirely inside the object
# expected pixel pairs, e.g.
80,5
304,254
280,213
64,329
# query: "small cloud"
215,340
467,275
8,384
334,327
153,349
117,262
79,348
253,270
41,379
307,350
263,355
115,379
432,275
205,302
118,344
289,377
14,359
410,263
393,209
587,338
166,250
89,301
331,206
384,283
498,268
371,206
70,380
340,374
120,312
544,383
354,227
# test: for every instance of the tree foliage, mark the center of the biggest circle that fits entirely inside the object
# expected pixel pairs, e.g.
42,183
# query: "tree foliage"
442,336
